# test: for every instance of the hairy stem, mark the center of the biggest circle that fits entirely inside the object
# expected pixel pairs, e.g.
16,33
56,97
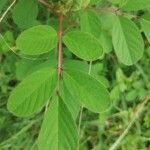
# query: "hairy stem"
60,53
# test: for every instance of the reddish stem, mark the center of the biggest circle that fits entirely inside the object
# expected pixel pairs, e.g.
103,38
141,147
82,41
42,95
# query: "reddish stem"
60,53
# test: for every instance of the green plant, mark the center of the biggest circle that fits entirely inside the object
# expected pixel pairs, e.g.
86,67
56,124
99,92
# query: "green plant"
60,85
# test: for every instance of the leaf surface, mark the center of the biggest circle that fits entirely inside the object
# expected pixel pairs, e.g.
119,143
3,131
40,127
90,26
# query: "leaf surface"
83,45
91,93
32,93
25,13
37,40
58,130
127,41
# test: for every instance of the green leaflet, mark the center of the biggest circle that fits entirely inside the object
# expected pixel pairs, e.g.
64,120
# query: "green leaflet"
37,40
32,93
83,45
25,13
76,64
71,102
58,130
145,23
106,42
127,41
146,26
24,67
134,5
91,93
90,23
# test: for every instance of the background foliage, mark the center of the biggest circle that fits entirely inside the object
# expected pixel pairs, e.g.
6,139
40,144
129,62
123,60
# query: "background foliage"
128,85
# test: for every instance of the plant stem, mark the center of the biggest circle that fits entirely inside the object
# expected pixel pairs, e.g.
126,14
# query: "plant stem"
90,68
60,54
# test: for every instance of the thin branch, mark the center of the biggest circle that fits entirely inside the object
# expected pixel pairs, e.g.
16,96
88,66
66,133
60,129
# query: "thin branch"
116,11
106,9
5,13
137,113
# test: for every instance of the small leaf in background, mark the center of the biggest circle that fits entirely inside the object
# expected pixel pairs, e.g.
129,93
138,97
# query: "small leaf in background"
83,45
95,2
37,40
2,4
58,131
90,23
76,65
109,18
91,93
145,23
106,42
6,40
131,95
32,93
25,13
127,41
82,3
134,5
115,94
